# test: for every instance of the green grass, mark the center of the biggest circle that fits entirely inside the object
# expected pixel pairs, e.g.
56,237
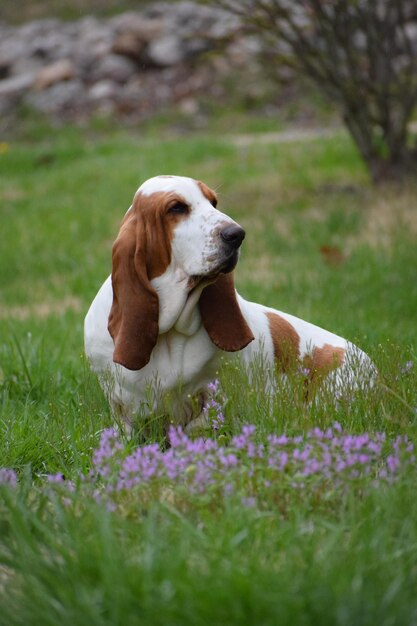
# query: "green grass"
322,244
246,567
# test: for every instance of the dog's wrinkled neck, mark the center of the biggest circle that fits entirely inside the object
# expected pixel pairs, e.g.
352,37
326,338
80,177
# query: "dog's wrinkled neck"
189,320
178,298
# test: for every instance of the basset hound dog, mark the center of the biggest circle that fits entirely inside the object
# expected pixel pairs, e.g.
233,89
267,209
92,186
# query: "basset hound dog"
169,310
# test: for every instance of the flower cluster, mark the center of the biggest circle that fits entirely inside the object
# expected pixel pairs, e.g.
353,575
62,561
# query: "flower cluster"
319,460
318,463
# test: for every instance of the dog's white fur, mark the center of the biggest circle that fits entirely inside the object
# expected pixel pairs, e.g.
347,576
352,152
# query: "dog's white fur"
185,353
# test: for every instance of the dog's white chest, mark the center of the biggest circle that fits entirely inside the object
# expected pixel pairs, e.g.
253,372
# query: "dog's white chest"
178,363
177,358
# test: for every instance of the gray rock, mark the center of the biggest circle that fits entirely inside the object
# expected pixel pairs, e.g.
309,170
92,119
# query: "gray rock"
16,84
26,65
11,50
166,51
103,90
112,67
13,89
69,96
143,28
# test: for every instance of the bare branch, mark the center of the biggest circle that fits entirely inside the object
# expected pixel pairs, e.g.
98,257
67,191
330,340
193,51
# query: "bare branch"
361,53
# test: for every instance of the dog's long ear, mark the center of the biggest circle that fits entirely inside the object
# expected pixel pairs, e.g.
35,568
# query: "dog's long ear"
133,319
222,317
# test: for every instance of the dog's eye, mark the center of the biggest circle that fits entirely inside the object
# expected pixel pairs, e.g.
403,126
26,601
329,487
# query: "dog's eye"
214,202
178,208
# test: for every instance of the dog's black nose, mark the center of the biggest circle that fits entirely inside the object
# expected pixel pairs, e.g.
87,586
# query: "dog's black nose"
233,235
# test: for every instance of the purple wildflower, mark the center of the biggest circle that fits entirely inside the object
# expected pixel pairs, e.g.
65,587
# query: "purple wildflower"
109,446
213,387
59,479
55,478
406,368
8,477
249,502
392,463
214,406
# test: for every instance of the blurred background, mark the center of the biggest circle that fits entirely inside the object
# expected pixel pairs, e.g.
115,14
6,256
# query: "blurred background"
186,65
220,64
301,114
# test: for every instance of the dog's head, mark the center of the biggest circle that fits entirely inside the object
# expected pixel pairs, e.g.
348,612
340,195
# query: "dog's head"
173,224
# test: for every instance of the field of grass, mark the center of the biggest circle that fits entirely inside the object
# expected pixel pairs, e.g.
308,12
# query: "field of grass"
254,546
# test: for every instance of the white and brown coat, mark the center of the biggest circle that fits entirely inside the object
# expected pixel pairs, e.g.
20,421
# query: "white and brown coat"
168,311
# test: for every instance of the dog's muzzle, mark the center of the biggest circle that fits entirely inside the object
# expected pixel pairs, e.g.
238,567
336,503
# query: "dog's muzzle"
233,236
